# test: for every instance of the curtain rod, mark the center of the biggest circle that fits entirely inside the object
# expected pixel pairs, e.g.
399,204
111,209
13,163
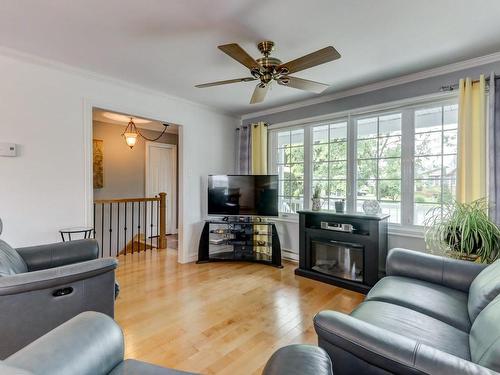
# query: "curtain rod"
246,126
456,85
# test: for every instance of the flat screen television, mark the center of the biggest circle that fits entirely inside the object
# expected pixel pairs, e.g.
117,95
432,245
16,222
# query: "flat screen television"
243,195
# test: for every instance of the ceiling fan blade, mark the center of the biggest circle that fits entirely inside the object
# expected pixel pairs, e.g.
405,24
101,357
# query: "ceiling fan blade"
303,84
259,93
240,55
319,57
246,79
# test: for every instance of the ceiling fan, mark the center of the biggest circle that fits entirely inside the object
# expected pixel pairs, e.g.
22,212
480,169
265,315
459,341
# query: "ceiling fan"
268,69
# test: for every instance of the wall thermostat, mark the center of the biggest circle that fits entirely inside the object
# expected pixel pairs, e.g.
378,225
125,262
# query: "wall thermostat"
8,149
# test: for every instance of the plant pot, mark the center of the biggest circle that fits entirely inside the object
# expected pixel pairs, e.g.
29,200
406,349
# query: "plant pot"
462,256
316,204
339,207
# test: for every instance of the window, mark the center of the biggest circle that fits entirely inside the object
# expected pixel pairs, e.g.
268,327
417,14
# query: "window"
435,158
405,158
290,170
378,163
329,162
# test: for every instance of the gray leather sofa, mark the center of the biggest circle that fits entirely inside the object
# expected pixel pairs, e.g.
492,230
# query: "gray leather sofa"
89,344
299,360
44,286
92,344
429,315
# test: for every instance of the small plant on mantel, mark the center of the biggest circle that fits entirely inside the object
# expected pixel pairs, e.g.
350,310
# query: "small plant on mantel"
464,231
316,198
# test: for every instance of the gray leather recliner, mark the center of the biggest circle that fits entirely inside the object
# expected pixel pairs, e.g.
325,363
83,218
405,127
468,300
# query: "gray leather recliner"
43,286
89,344
429,315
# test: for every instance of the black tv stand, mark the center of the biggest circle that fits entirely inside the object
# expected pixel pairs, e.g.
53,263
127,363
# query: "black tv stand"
240,239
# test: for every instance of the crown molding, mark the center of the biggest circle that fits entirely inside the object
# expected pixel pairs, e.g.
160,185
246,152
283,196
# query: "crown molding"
56,65
429,73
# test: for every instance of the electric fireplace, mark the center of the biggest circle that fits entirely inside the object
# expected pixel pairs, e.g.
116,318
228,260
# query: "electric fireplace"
347,250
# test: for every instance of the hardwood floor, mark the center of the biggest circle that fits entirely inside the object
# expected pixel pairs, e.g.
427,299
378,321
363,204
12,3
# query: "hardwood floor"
217,318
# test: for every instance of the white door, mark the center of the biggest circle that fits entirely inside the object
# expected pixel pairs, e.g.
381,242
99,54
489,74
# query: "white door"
161,176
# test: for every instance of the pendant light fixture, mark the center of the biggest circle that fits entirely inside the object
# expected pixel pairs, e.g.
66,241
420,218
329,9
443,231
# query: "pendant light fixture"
131,134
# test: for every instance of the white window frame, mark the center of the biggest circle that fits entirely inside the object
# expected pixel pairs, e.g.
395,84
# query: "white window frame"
407,108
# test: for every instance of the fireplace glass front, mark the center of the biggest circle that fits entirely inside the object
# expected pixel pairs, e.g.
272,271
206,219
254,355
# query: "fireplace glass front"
339,259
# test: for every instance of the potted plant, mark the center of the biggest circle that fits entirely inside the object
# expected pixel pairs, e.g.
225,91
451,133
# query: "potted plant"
316,200
463,230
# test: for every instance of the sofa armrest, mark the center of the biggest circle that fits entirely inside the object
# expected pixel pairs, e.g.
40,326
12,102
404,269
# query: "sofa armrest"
36,280
59,254
388,350
299,360
452,273
90,343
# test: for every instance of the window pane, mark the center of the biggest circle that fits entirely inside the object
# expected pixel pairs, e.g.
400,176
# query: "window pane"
450,142
296,188
450,116
428,119
320,152
323,185
338,151
296,154
283,204
320,171
389,168
393,209
450,166
297,137
367,128
421,211
320,134
389,147
287,187
428,144
338,170
367,149
283,139
389,190
280,156
428,167
338,132
337,189
390,124
449,190
367,189
297,171
427,191
367,169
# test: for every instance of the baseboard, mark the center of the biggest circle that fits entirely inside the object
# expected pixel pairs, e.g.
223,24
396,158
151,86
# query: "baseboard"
290,255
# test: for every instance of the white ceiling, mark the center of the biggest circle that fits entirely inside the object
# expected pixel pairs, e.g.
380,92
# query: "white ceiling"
123,119
172,45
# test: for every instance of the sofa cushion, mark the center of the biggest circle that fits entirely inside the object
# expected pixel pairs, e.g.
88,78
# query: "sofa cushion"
484,288
11,262
484,339
437,301
132,367
415,325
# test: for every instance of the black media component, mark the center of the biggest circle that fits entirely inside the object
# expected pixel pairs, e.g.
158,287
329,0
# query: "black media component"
239,239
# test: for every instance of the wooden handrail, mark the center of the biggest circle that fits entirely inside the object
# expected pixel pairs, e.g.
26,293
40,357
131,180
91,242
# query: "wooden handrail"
162,242
125,200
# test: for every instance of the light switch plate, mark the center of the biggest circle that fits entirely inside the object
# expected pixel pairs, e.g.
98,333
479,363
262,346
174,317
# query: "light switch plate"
8,149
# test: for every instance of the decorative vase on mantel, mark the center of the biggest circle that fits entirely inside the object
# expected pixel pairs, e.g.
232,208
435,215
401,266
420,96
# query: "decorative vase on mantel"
316,204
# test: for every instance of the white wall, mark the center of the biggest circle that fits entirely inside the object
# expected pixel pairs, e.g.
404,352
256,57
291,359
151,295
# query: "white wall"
46,109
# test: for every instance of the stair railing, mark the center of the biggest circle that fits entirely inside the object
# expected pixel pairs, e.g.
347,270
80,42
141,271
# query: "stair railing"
129,225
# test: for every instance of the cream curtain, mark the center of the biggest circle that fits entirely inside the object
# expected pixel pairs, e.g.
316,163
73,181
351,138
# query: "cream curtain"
471,163
259,148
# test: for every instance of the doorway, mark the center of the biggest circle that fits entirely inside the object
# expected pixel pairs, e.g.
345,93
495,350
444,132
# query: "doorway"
161,172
